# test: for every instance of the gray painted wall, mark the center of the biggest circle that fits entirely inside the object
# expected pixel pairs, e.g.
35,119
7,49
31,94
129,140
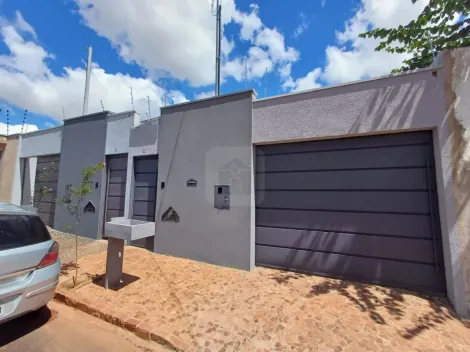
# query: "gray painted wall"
83,145
142,141
384,105
201,141
44,142
118,131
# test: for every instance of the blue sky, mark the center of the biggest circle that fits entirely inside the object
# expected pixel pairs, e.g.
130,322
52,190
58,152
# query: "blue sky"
164,49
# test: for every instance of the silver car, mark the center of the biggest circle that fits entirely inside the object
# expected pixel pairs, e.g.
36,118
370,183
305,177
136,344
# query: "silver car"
29,262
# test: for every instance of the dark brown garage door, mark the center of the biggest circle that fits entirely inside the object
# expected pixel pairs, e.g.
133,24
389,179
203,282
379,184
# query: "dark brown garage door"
47,176
116,190
359,208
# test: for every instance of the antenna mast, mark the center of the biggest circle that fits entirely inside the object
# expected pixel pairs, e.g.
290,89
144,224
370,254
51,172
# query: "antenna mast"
148,102
218,38
132,99
87,81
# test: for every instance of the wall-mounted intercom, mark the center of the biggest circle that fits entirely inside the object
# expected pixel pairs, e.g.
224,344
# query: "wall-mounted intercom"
222,197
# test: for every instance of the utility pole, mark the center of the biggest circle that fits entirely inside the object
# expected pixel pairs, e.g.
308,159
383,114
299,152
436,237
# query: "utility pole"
218,38
87,82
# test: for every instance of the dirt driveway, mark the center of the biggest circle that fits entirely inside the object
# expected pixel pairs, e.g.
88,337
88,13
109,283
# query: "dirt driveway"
201,307
66,242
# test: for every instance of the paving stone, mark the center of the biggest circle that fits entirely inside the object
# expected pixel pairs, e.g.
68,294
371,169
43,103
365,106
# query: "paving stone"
194,306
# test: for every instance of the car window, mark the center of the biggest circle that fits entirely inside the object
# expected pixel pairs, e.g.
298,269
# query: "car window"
21,230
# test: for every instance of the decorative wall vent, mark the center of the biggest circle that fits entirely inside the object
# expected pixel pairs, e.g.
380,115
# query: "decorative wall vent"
170,216
191,183
89,207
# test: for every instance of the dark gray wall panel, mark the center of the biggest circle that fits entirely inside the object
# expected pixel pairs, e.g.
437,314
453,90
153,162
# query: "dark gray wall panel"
146,165
386,272
147,194
385,140
45,177
116,189
403,156
117,162
142,208
145,180
373,201
391,179
361,208
116,203
417,226
412,250
145,191
118,176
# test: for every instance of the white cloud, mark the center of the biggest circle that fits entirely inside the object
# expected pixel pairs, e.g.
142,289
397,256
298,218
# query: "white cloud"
273,41
355,58
24,26
204,95
310,81
323,3
249,22
302,27
285,71
27,82
49,124
177,97
177,38
15,129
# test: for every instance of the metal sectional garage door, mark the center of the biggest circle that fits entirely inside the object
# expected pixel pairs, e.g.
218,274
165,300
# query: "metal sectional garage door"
360,208
145,174
116,190
47,175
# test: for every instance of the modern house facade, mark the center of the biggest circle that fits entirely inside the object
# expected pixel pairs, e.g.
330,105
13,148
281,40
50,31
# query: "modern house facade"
365,181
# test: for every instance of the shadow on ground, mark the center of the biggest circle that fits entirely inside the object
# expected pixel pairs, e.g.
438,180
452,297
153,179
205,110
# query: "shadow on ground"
127,279
22,326
373,300
68,268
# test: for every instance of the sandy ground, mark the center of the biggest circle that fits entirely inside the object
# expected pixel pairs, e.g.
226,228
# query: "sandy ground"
86,246
58,328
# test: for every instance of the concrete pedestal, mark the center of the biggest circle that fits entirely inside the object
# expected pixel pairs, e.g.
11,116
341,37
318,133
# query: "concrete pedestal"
118,231
114,262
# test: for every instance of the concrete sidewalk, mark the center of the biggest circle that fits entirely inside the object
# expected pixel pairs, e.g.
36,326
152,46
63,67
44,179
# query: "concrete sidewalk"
193,306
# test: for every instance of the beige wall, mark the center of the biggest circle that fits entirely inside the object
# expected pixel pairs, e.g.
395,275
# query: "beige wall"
7,168
457,100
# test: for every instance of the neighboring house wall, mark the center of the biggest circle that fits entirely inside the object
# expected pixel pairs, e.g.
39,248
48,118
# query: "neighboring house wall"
28,177
385,105
8,167
200,141
142,141
83,145
457,149
44,142
118,130
34,144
